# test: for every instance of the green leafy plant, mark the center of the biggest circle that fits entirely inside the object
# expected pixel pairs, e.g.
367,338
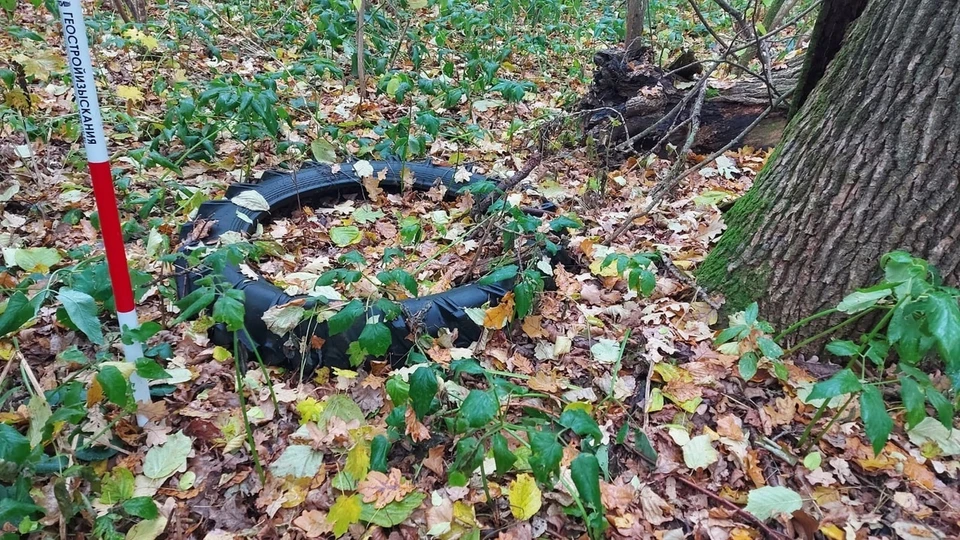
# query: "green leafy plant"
915,332
482,430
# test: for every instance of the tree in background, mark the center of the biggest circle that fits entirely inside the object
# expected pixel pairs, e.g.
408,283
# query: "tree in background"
869,164
636,11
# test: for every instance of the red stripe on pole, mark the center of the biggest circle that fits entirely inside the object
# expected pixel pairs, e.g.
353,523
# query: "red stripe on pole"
106,199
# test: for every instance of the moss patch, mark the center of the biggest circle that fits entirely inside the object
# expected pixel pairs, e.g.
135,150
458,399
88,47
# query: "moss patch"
739,284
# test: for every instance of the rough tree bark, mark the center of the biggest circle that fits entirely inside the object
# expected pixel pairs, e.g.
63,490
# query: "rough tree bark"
833,20
636,10
870,164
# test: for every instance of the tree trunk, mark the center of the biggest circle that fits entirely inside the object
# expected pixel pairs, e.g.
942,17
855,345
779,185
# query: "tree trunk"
834,19
636,9
870,164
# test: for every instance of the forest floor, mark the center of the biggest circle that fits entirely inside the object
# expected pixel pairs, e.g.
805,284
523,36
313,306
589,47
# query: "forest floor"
607,410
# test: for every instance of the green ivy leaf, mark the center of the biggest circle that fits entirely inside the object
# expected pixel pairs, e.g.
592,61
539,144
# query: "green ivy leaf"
842,382
410,230
394,513
379,448
502,455
423,387
545,455
469,455
19,311
356,354
585,471
877,422
569,221
345,236
149,369
345,317
375,339
366,214
750,314
500,274
748,365
582,424
391,310
470,366
141,507
478,409
114,385
401,277
398,390
117,486
228,309
523,294
146,331
943,322
82,310
769,348
193,303
914,401
14,446
843,348
861,300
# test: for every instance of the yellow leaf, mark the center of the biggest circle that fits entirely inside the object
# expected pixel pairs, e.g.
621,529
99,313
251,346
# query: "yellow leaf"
221,354
832,532
137,36
94,393
524,497
40,65
310,410
130,92
358,460
344,512
498,316
581,405
598,269
345,373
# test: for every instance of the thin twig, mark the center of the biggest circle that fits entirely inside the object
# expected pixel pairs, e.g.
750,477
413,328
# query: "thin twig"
765,37
6,369
770,533
703,21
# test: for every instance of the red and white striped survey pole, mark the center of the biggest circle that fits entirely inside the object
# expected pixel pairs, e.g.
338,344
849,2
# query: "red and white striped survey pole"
85,94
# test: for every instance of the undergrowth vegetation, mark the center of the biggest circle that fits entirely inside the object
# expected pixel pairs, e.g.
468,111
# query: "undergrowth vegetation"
596,382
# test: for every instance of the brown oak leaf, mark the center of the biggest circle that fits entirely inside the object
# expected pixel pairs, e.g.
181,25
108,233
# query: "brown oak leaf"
381,489
314,523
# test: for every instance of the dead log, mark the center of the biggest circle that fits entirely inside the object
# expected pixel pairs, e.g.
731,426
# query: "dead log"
629,96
